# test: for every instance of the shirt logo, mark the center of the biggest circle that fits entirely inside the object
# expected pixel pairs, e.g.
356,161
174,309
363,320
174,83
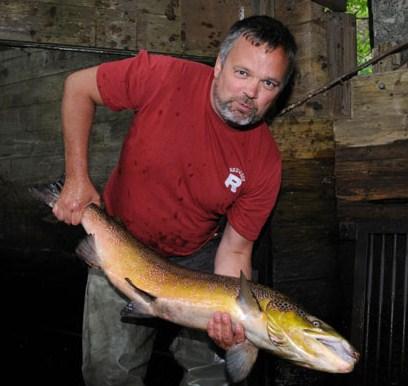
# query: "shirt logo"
235,179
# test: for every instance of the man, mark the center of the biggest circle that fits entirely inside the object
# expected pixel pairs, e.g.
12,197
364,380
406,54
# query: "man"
197,151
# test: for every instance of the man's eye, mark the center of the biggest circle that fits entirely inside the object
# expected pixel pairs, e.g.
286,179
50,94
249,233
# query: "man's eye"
242,73
269,84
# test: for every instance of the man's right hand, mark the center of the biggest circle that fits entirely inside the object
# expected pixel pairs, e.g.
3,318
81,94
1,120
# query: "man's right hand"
75,196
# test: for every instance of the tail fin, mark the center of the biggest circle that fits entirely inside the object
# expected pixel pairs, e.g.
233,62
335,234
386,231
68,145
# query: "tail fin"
48,193
86,250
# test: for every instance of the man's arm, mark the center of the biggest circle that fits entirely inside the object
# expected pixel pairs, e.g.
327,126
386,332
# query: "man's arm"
233,256
78,108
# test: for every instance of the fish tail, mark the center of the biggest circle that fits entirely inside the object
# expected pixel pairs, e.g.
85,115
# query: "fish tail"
87,251
48,193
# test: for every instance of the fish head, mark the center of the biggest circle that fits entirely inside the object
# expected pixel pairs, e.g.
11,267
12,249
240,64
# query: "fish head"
306,340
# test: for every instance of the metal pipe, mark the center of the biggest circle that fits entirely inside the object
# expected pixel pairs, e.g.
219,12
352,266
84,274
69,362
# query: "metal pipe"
97,50
367,313
392,304
404,312
380,309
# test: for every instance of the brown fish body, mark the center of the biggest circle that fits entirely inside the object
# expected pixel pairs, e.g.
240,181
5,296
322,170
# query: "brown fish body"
156,287
122,257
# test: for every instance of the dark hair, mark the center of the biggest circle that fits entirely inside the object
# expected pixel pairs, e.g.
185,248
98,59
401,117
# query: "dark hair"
261,30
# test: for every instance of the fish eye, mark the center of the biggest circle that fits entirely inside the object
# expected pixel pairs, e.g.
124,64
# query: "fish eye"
316,323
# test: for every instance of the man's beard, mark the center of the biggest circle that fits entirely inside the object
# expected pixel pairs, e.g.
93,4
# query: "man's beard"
233,117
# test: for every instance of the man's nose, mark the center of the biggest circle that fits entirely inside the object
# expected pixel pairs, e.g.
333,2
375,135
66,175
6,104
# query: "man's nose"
251,89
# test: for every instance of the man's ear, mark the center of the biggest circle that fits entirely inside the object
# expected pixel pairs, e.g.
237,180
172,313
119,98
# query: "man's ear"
217,67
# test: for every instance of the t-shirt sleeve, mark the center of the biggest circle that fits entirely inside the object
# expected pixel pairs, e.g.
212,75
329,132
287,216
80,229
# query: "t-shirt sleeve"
250,211
128,83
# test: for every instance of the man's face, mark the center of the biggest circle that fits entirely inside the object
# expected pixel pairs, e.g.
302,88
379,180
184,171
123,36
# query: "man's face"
248,82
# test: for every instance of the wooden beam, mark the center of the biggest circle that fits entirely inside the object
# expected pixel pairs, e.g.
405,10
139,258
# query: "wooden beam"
335,5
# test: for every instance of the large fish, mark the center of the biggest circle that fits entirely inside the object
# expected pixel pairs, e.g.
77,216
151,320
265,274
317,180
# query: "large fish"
157,288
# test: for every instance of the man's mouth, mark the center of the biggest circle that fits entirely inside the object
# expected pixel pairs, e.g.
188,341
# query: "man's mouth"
244,108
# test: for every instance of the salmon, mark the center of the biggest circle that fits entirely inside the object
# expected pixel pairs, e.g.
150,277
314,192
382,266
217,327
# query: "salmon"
156,287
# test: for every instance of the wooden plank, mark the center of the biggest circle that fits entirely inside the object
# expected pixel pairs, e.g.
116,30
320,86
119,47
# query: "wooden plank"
360,132
394,150
19,20
390,62
264,7
169,8
306,208
309,175
158,33
362,210
335,5
372,180
25,64
33,91
203,35
304,139
380,94
311,69
342,57
293,12
116,28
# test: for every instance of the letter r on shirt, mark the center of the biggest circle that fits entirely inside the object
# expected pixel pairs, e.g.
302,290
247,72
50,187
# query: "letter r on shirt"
233,182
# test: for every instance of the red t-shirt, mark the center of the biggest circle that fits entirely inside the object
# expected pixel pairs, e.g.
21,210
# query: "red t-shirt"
181,166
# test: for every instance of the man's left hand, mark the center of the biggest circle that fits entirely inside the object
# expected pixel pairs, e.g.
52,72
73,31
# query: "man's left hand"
223,333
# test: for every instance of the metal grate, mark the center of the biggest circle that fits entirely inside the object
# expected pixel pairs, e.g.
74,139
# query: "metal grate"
380,304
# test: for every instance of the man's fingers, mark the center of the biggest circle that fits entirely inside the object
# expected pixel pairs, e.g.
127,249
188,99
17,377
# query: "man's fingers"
239,334
76,217
221,330
227,335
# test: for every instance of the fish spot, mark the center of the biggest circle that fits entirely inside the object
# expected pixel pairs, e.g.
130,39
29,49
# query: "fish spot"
160,112
177,114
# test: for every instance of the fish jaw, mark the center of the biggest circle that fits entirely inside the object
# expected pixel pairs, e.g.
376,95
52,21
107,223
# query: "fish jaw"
332,353
309,342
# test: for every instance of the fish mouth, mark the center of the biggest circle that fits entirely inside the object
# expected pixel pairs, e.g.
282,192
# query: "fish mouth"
341,349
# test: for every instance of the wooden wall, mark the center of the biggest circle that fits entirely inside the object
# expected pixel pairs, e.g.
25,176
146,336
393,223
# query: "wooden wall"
304,229
372,150
172,26
304,225
31,149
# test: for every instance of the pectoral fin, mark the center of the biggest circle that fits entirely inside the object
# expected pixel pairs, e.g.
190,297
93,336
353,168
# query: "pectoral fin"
240,359
142,304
